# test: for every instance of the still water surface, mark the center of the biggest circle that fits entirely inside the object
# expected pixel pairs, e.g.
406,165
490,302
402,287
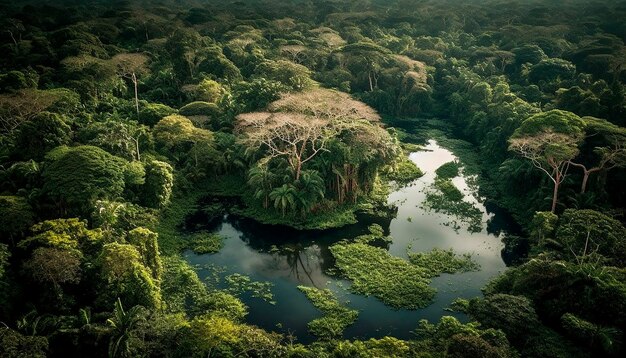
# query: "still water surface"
303,258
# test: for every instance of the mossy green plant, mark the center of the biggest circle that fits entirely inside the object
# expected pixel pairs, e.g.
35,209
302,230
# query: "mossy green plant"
404,172
396,282
336,316
238,284
391,279
448,189
448,170
443,261
205,243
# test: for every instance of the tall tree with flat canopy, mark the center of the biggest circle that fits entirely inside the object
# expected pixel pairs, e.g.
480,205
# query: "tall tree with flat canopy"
297,137
550,141
130,66
612,154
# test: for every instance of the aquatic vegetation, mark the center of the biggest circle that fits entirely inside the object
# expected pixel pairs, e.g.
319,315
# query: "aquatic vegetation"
449,191
336,316
443,261
464,211
205,243
376,235
238,284
445,197
404,172
448,170
397,282
374,272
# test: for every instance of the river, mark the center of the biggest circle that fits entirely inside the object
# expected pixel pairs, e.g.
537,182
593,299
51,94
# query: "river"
288,258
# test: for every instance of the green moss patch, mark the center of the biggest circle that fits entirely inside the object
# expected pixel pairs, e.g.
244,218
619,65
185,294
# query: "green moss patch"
336,316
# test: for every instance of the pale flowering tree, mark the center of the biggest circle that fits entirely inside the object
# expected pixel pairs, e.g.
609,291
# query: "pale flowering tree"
297,137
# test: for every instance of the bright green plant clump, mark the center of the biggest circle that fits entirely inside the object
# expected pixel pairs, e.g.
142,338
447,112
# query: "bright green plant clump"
448,170
405,172
449,191
336,317
391,279
395,281
206,243
443,261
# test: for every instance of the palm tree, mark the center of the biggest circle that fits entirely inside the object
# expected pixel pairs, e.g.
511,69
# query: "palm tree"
123,323
310,189
284,197
260,178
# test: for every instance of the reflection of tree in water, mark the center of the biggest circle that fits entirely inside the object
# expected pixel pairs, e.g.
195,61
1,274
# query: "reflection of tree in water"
304,255
500,221
302,269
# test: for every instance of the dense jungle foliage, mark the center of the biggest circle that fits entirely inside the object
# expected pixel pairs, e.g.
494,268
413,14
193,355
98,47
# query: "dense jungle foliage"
116,117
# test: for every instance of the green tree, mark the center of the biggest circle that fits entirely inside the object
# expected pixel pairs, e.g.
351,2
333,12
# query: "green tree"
124,325
81,175
40,134
542,226
16,216
122,138
609,155
126,277
292,75
54,266
131,66
157,189
146,242
213,334
284,197
261,178
550,141
64,234
583,233
310,189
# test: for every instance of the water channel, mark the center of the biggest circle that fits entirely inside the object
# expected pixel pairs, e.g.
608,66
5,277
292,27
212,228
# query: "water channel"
288,258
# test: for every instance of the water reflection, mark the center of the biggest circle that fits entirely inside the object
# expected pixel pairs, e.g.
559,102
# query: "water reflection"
288,258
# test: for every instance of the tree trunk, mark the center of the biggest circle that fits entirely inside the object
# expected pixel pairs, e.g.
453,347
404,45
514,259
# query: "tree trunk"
136,140
136,94
555,194
13,38
583,186
298,169
554,197
369,76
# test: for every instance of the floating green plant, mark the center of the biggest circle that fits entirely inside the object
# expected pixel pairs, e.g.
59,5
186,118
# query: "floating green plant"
336,316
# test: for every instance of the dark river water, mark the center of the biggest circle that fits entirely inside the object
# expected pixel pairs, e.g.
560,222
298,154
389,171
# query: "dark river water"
288,258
